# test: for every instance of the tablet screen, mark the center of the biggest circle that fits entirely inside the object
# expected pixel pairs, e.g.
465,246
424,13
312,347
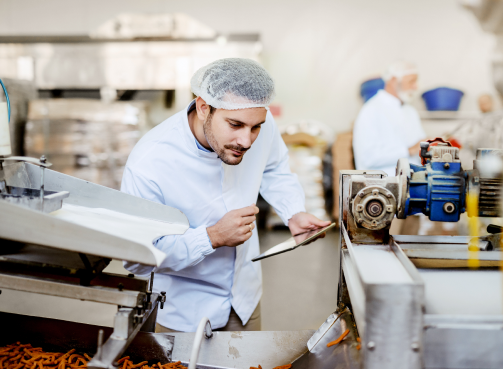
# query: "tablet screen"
294,242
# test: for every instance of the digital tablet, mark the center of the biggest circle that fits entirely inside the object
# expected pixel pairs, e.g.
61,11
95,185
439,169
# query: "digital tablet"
294,242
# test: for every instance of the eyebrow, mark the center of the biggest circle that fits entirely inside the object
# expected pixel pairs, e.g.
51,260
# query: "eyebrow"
243,123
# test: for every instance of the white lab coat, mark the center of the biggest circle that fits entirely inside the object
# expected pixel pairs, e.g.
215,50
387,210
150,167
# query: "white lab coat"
166,166
384,130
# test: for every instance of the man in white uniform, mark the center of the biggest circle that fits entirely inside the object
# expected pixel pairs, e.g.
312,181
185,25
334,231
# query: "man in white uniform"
211,160
387,127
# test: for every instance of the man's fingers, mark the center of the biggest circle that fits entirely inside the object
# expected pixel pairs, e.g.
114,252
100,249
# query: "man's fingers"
247,228
318,222
249,210
249,219
246,233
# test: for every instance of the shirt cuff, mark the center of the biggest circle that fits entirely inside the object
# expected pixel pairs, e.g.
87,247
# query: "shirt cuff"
203,241
290,210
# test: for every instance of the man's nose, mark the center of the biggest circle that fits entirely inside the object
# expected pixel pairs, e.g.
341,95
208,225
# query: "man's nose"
245,138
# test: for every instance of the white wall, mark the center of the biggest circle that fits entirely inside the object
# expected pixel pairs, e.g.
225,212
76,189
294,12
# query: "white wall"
317,51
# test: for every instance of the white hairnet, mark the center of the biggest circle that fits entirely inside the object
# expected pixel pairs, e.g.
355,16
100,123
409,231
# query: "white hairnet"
399,69
233,84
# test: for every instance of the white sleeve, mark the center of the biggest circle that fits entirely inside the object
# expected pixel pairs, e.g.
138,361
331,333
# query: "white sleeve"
280,187
181,251
414,132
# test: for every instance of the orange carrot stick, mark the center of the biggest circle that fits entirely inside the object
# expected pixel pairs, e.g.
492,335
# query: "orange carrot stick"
122,360
338,340
139,364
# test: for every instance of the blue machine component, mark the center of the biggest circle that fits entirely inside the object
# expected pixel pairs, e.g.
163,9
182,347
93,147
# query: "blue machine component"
438,190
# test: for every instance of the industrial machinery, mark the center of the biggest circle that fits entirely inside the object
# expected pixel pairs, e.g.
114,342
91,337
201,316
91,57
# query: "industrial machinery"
415,302
58,234
61,249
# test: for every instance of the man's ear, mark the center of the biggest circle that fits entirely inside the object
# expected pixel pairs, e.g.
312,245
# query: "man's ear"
203,109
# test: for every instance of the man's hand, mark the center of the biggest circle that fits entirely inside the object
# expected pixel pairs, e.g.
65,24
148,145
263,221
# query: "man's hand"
304,222
234,228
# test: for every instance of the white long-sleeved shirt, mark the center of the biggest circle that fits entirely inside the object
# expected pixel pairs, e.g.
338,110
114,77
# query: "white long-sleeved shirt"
166,166
384,131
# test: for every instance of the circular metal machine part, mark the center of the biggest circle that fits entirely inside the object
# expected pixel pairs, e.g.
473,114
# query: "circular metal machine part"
374,207
449,207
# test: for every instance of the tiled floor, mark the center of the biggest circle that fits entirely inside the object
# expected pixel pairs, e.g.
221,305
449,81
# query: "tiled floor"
300,287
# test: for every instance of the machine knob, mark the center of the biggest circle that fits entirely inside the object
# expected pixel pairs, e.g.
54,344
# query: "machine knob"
424,154
162,299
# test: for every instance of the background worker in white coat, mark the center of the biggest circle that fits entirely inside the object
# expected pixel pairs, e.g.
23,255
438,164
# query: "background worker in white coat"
211,160
389,128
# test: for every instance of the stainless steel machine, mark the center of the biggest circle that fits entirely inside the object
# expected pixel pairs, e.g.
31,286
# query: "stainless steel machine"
61,249
59,233
415,302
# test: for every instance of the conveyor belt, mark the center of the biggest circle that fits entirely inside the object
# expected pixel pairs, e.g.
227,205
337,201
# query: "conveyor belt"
463,291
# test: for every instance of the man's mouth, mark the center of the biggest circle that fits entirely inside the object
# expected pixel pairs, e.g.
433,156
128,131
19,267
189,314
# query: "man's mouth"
237,153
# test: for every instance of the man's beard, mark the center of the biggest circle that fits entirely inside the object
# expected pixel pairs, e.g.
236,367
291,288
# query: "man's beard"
228,159
406,96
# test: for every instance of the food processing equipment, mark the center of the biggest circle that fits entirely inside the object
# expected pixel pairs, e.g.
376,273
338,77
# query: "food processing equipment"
61,248
415,302
59,233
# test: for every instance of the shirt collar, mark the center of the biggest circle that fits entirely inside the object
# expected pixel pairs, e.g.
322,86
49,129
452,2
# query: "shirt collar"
389,98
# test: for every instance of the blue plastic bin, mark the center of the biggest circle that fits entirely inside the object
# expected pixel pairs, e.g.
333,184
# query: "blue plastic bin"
442,98
369,88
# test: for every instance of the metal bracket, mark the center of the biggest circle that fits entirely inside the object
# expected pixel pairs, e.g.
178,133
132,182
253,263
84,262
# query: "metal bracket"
123,323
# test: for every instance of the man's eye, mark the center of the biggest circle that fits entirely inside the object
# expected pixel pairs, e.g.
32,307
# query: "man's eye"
234,125
256,127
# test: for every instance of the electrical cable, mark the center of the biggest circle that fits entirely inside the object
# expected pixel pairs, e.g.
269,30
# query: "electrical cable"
7,98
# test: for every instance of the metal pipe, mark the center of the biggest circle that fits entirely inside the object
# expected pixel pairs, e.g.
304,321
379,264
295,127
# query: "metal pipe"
100,344
204,328
43,162
42,183
151,288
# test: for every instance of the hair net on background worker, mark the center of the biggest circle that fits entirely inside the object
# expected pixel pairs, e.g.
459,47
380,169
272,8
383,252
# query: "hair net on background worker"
399,69
233,84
